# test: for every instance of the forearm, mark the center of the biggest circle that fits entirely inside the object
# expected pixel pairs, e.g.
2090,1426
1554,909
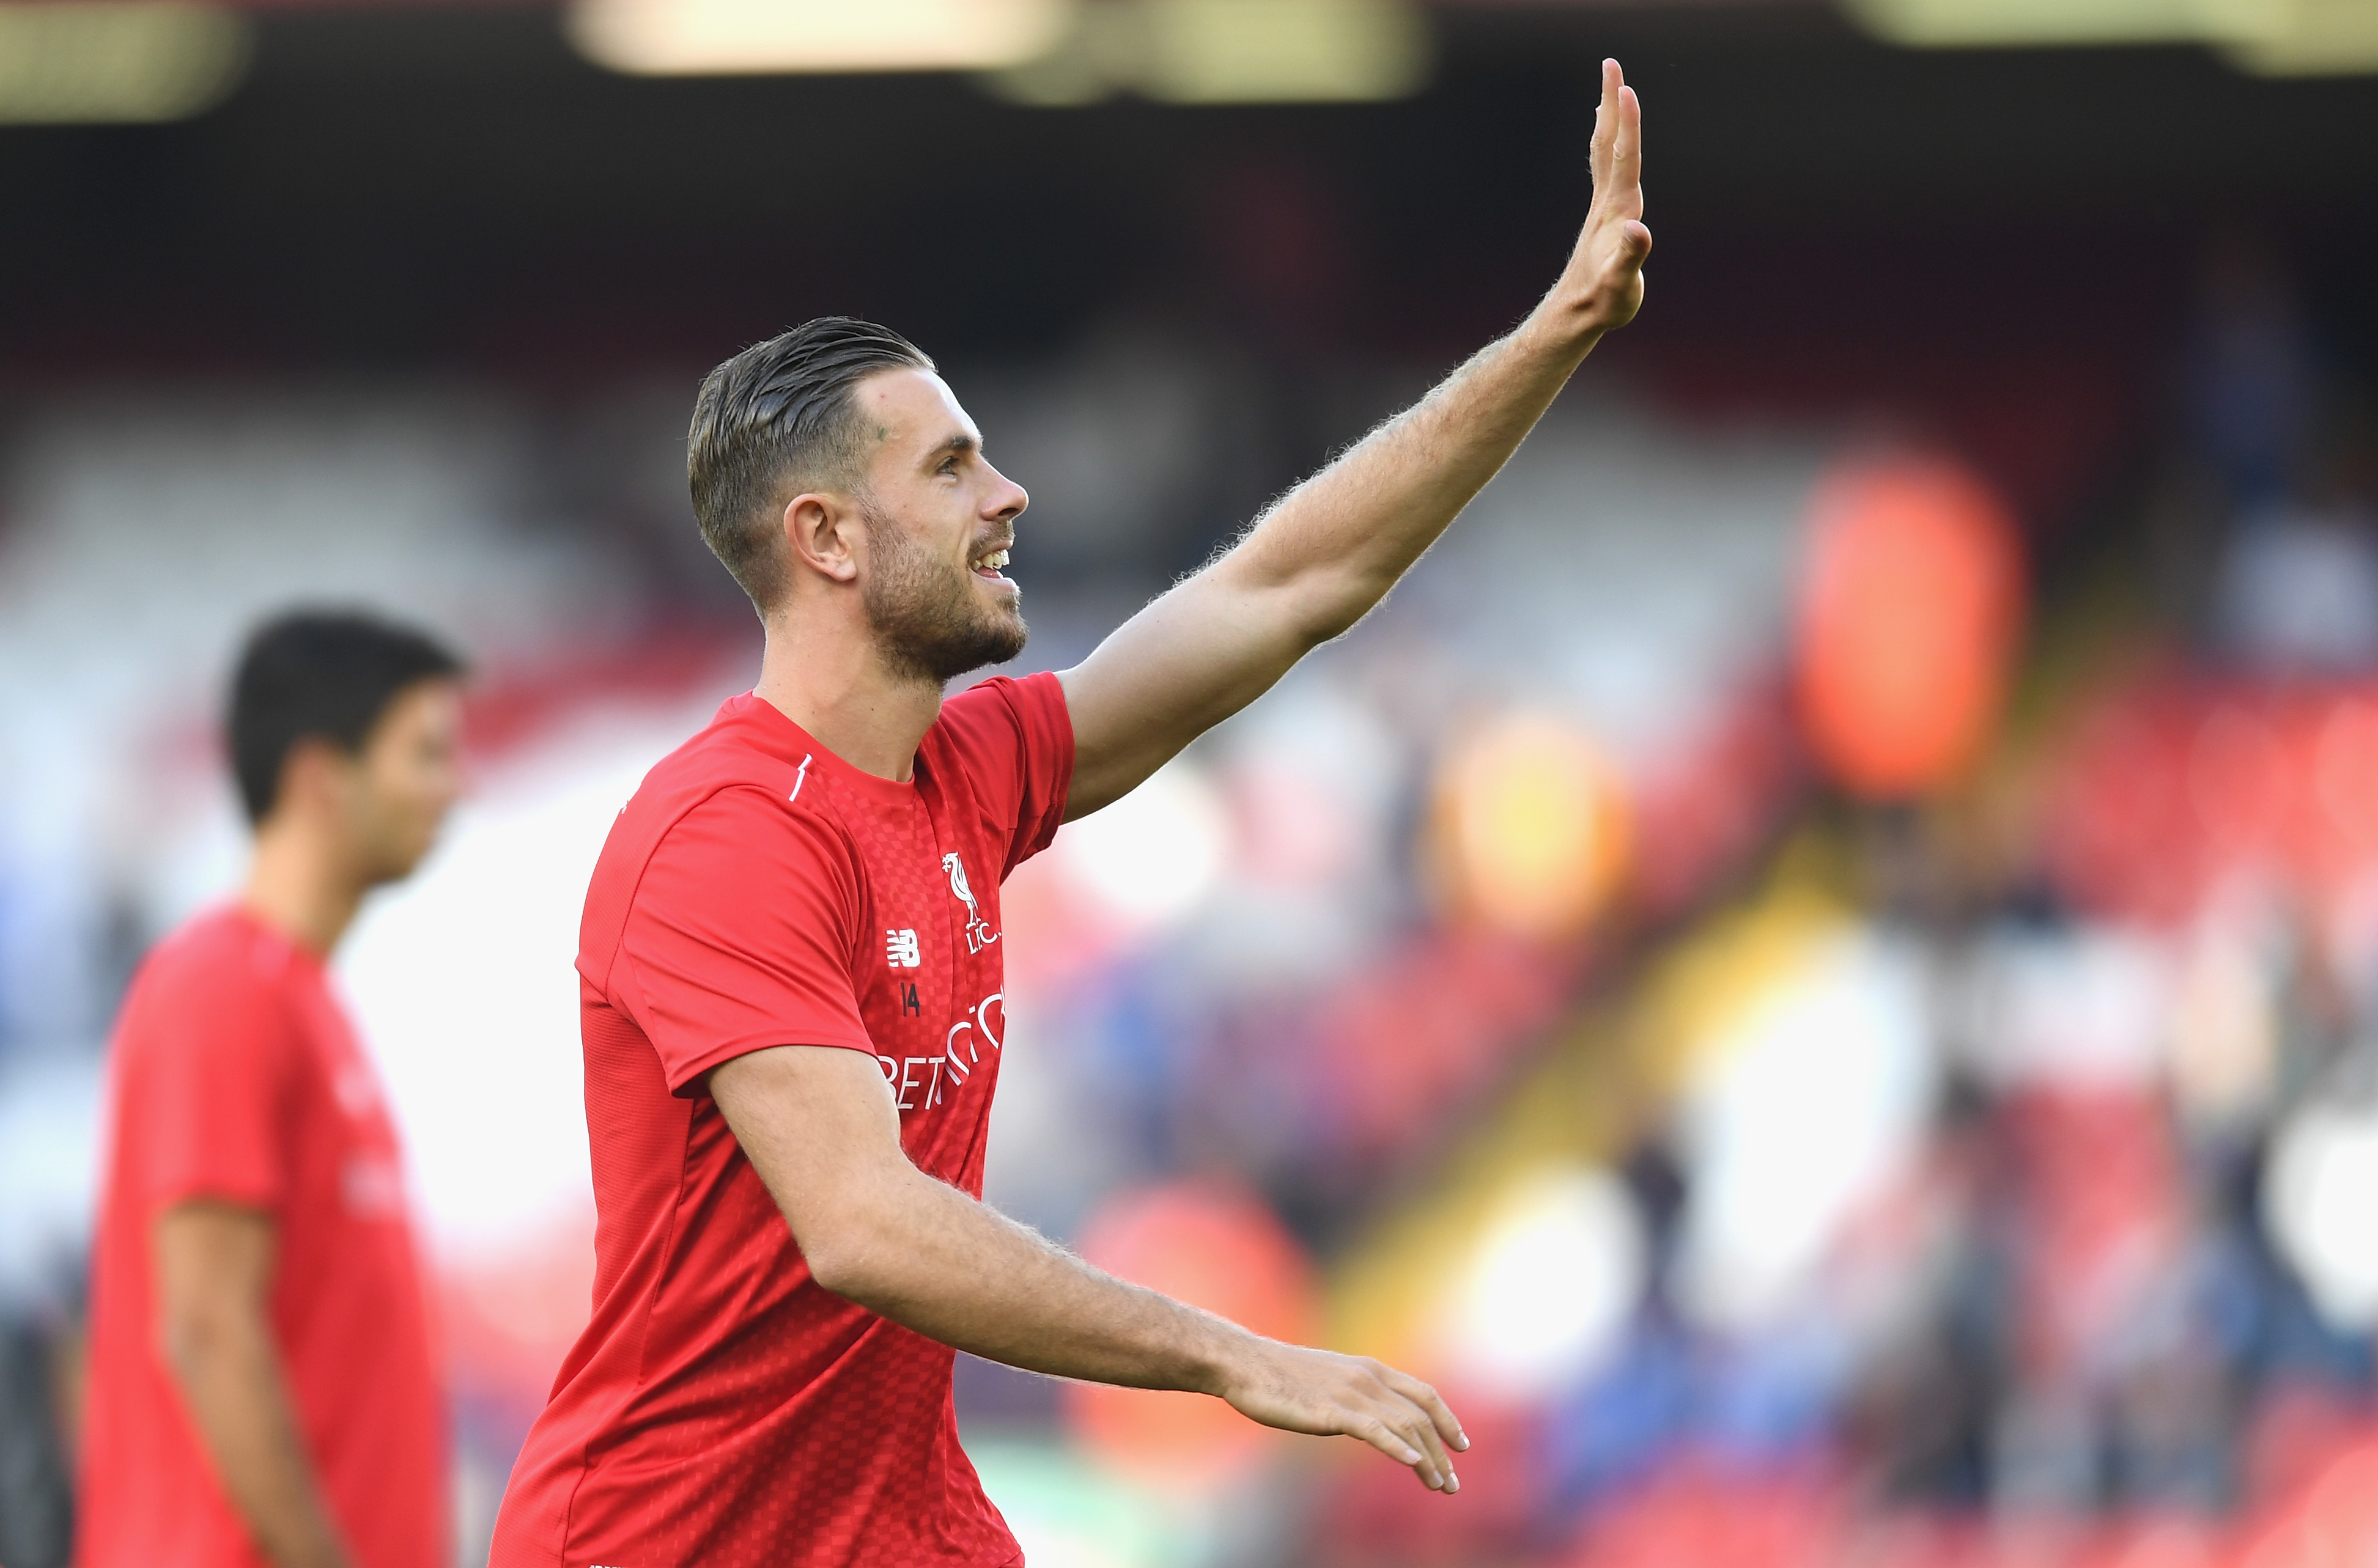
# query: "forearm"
957,1270
1341,539
820,1130
1308,570
933,1260
230,1379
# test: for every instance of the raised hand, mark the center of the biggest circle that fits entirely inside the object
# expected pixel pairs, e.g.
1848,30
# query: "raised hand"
1326,1395
1603,286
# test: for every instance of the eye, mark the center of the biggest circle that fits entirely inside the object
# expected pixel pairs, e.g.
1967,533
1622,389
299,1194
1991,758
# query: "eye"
949,466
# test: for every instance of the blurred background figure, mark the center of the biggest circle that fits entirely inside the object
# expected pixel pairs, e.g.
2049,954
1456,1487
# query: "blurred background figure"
261,1386
1818,970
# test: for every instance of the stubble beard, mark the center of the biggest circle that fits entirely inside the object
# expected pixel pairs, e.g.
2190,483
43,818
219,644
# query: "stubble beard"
929,624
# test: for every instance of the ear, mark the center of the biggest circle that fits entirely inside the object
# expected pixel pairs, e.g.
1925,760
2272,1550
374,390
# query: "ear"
821,531
313,774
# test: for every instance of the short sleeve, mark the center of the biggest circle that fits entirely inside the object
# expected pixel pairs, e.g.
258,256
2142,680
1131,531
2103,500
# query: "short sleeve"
1017,740
213,1082
742,936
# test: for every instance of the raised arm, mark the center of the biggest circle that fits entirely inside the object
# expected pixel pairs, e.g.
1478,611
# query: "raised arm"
1316,563
819,1125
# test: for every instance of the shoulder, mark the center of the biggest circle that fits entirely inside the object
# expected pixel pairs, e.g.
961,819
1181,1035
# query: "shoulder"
1003,734
740,831
218,983
722,790
222,954
731,749
1011,743
744,884
718,846
1004,711
700,826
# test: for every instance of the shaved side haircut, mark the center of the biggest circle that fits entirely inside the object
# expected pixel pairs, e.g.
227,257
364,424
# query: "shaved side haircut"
774,421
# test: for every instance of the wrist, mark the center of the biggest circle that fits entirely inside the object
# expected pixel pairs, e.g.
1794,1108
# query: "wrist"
1561,330
1218,1355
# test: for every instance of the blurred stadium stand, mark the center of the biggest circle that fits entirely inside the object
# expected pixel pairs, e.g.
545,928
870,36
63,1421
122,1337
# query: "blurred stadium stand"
1773,1166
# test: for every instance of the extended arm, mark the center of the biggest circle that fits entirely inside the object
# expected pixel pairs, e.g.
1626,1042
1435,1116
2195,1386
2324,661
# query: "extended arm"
215,1278
819,1125
1318,561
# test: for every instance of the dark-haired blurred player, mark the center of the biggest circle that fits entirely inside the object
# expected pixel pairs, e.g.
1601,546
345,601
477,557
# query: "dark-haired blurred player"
790,962
261,1388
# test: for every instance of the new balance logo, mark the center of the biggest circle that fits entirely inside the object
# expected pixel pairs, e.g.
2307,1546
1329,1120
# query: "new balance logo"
900,947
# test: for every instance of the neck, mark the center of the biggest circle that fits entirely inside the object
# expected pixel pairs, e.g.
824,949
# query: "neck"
300,885
829,680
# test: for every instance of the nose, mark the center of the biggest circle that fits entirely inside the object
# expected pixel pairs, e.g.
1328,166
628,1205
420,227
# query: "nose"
1006,500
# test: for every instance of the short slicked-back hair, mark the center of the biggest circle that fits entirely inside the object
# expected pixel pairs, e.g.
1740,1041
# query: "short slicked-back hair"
313,673
781,412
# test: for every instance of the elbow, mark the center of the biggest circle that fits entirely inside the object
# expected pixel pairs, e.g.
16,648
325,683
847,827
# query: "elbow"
1330,624
1290,608
1329,618
845,1256
1328,604
831,1263
189,1340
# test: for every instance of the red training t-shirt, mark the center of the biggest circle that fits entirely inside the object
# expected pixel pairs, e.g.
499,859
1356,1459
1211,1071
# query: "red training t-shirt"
721,1409
234,1075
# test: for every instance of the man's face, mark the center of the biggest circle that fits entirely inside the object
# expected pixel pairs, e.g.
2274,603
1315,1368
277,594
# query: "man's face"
939,522
397,789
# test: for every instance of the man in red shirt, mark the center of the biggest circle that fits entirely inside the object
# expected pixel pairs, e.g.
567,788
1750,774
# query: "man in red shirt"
790,961
261,1388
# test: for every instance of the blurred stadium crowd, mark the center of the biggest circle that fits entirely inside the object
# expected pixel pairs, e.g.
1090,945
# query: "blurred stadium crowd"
1816,967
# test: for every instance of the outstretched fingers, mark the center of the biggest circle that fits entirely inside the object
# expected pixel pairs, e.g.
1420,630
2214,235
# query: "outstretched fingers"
1440,1415
1403,1419
1437,1471
1627,152
1606,126
1320,1391
1405,1436
1382,1435
1615,244
1617,156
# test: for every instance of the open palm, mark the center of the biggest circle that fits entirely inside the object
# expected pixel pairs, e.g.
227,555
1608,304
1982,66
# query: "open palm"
1603,281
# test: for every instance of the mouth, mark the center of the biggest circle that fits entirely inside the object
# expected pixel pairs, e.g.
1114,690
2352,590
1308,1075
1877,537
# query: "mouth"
990,564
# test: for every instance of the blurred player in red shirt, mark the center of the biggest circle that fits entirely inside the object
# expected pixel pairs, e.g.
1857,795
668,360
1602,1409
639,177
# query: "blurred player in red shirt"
261,1386
790,962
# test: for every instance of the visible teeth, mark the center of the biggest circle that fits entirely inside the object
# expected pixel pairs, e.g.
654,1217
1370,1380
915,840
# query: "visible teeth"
995,561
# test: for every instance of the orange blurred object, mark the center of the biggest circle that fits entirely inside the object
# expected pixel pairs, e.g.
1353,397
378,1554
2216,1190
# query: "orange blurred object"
1530,831
1909,613
1215,1247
